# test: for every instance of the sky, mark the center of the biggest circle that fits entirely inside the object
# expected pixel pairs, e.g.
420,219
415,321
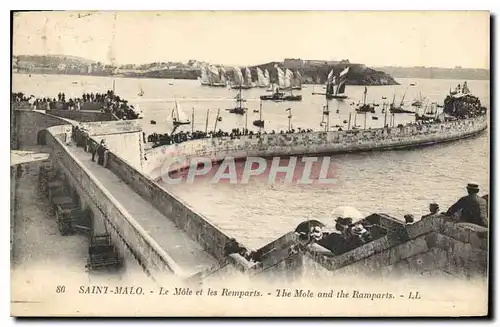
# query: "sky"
418,38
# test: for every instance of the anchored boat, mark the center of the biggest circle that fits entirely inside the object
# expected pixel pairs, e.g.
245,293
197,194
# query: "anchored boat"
263,79
394,109
239,109
365,107
259,123
178,116
241,82
284,82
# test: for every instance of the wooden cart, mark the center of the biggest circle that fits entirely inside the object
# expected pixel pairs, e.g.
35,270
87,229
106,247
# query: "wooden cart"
102,253
55,188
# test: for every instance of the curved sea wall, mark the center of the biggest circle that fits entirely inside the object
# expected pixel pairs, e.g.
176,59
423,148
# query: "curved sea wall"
269,145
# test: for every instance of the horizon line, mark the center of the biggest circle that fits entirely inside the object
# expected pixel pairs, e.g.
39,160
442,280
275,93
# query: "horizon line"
232,64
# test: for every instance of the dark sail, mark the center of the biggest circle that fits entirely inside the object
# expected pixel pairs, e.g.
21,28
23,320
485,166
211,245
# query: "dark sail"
341,88
329,88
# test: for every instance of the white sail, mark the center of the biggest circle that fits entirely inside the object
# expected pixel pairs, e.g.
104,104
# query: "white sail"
330,77
223,78
248,76
340,89
178,113
238,76
214,74
141,91
261,78
266,74
288,78
204,76
222,75
281,78
297,80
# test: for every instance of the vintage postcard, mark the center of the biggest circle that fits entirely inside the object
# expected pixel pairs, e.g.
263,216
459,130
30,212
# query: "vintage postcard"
250,163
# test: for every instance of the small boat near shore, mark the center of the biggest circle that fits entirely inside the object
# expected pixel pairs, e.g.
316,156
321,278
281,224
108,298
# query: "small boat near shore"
398,109
238,109
178,116
365,107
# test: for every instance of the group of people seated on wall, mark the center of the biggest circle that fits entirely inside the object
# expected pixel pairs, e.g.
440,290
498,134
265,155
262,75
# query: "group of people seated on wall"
82,139
352,231
181,136
471,209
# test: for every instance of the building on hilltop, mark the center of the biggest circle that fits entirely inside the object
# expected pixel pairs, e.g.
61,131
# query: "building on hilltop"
300,64
293,63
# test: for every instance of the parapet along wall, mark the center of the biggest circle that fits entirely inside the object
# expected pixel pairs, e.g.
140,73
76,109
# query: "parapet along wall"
269,145
119,223
28,123
123,138
186,218
433,246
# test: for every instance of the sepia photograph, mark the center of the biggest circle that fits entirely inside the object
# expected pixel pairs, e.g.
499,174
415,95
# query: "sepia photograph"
250,163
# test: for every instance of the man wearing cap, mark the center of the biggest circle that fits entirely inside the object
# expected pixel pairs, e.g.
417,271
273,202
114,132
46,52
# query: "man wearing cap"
472,207
434,210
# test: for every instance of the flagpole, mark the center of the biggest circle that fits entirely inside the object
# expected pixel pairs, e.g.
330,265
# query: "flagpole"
206,123
246,122
260,118
216,120
385,114
192,122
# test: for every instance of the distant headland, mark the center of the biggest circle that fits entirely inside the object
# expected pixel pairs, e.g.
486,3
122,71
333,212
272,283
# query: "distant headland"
313,71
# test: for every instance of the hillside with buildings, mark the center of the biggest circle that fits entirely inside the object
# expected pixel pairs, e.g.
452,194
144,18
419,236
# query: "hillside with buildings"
436,72
313,71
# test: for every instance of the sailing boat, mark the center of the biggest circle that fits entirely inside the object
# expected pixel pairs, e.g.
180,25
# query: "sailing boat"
178,115
204,79
141,92
262,80
284,82
365,107
259,123
289,76
335,87
222,76
399,109
287,81
418,102
216,77
240,82
297,81
428,114
238,109
248,78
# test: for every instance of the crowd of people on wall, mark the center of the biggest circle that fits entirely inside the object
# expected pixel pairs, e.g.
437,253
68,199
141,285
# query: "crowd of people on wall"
19,97
181,136
105,102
